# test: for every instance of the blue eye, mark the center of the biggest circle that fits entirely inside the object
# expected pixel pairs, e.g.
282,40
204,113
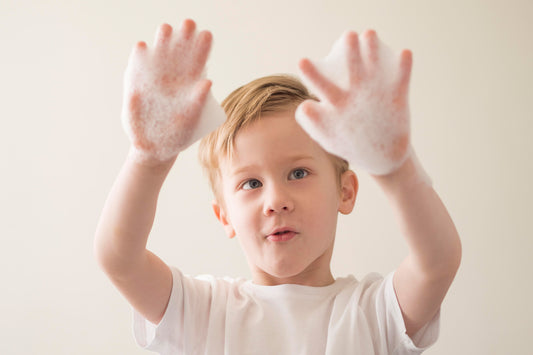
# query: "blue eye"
251,184
298,174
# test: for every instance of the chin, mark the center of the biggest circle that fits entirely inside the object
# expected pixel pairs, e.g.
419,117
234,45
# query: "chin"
286,271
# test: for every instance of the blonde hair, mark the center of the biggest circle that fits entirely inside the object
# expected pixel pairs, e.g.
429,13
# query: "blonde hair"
245,105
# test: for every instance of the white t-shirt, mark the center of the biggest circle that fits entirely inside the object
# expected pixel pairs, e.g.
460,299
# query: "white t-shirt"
208,315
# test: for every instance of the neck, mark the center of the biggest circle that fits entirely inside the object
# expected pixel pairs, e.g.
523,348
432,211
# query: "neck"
313,278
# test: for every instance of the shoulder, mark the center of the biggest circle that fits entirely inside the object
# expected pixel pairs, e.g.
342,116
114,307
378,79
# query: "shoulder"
369,283
371,291
206,284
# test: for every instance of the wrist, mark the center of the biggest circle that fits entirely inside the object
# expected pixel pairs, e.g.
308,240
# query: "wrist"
143,161
409,174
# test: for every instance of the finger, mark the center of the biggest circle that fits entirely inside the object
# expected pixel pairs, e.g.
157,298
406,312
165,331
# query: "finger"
354,56
135,105
310,111
184,40
404,74
136,123
138,53
199,95
310,117
163,35
187,29
324,86
201,50
370,49
141,46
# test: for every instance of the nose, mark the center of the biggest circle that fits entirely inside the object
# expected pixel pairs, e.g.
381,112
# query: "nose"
277,200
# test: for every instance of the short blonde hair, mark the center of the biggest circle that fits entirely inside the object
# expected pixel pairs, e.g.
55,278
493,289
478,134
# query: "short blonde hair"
245,105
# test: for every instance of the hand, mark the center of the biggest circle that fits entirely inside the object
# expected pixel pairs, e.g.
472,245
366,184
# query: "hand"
165,92
363,113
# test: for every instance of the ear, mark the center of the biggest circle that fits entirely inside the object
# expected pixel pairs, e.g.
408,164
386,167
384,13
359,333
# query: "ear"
349,188
221,216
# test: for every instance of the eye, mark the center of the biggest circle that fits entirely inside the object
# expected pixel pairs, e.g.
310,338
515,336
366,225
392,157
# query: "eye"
297,174
251,184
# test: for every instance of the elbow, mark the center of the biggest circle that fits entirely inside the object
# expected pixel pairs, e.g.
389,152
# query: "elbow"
445,262
99,251
455,253
107,261
113,258
452,260
104,252
458,255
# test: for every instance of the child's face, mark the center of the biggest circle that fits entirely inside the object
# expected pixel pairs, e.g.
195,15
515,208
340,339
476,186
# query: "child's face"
280,180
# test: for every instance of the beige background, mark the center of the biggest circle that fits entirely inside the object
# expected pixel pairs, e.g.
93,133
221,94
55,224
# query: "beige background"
62,145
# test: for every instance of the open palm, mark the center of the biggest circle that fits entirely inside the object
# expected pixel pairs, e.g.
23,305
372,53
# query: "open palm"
165,91
363,112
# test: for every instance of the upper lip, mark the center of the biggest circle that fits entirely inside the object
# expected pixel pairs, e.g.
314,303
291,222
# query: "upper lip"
281,229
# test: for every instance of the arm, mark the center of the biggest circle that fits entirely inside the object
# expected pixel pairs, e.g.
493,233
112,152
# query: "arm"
363,116
122,234
423,278
163,112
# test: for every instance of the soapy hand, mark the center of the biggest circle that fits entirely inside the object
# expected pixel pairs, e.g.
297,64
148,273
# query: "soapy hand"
363,113
167,102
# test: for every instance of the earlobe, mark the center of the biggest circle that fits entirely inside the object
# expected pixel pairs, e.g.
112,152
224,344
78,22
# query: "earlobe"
223,219
349,188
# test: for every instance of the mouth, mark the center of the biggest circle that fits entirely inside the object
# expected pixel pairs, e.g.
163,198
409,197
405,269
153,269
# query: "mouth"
281,235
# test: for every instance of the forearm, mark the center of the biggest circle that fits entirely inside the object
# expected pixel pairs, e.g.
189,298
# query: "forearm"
128,215
433,241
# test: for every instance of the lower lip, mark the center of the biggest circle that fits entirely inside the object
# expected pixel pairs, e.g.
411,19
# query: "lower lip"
281,237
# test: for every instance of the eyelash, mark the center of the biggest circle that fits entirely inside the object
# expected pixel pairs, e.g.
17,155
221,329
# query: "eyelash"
306,172
244,184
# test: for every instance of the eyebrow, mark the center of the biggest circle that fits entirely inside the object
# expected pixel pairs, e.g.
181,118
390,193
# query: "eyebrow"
292,159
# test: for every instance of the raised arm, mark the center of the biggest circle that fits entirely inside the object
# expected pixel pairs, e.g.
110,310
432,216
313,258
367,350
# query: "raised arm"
122,234
424,277
164,111
363,116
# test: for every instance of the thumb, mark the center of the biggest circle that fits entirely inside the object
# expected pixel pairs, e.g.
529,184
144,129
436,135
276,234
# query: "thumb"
310,116
200,91
199,94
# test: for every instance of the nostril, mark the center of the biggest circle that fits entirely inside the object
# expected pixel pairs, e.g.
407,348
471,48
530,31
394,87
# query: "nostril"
282,208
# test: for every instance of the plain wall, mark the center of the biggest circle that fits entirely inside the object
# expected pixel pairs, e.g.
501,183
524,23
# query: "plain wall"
62,145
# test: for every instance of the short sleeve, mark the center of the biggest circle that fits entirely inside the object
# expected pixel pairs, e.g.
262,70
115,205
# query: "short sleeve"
398,340
188,304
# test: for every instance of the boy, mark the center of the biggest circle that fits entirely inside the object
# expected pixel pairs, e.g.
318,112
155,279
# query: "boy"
279,191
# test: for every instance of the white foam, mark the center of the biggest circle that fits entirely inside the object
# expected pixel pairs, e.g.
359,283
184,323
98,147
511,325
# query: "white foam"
365,128
164,121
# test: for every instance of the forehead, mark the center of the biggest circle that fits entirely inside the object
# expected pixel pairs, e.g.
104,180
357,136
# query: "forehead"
272,139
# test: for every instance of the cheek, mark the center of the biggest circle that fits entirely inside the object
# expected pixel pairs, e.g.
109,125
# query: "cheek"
242,215
328,193
323,208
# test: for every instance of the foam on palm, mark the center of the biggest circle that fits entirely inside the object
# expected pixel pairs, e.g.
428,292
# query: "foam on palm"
363,112
167,101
